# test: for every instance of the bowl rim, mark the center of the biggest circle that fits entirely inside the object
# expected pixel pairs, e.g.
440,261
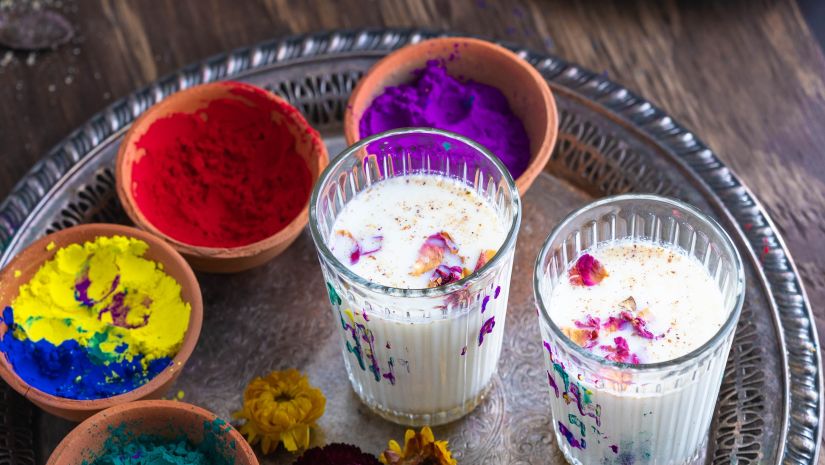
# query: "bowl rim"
133,211
112,414
190,338
375,77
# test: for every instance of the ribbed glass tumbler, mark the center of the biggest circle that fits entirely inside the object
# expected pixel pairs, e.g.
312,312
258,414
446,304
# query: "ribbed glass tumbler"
607,412
418,356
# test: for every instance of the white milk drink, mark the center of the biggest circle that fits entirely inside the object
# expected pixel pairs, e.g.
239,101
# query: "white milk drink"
633,302
420,231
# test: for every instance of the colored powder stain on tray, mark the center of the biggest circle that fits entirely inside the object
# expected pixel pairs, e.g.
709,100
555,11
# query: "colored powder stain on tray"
95,321
226,175
469,108
123,447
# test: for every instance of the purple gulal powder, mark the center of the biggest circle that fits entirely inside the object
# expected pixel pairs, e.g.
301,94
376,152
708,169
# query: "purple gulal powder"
469,108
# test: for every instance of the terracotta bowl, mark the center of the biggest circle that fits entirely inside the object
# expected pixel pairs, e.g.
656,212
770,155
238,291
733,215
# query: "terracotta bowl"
217,259
33,257
526,91
156,417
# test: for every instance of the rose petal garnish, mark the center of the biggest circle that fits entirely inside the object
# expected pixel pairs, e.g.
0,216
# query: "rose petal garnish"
620,352
444,274
586,338
614,324
639,325
345,243
589,322
587,271
371,245
432,252
484,257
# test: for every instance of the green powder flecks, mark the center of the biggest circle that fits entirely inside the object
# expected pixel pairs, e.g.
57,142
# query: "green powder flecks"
574,421
586,393
563,374
124,447
334,298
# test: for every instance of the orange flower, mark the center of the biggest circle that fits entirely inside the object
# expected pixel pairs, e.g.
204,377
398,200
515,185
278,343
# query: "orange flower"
280,407
419,449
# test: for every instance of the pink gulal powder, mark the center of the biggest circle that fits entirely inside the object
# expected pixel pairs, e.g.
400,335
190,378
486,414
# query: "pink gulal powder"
469,108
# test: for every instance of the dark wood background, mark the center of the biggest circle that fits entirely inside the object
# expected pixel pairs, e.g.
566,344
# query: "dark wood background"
747,76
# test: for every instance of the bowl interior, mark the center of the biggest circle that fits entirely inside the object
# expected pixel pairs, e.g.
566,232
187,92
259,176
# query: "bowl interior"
23,267
166,419
526,91
307,143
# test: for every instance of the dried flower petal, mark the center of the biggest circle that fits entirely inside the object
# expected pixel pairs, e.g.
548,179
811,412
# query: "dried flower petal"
587,271
589,322
620,352
444,274
432,252
336,454
349,245
371,245
628,304
419,449
484,257
345,242
586,338
614,324
639,325
280,408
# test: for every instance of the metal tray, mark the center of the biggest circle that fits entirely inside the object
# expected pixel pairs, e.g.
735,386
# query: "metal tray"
277,316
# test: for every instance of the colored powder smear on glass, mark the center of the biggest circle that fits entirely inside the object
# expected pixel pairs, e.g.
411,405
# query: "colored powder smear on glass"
95,321
124,447
469,108
227,175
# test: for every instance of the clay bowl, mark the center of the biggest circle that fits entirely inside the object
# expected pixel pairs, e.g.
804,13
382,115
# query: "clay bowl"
156,417
30,260
219,259
526,91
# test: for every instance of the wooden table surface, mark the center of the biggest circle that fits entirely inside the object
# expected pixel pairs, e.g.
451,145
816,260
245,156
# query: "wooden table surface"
747,76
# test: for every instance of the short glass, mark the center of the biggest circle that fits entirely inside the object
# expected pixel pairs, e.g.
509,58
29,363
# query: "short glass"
614,413
418,356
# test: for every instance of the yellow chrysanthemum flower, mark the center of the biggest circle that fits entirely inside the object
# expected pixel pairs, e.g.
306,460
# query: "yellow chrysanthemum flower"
419,448
280,407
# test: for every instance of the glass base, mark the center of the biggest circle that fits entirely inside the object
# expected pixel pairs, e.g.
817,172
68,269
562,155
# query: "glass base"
426,419
699,457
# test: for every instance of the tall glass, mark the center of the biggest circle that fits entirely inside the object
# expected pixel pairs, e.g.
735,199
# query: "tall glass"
659,413
418,356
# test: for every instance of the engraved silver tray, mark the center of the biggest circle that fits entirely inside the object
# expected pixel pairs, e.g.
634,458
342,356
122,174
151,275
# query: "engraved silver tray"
277,316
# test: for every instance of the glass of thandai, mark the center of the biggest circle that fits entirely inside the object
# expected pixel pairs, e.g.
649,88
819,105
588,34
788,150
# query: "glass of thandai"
415,230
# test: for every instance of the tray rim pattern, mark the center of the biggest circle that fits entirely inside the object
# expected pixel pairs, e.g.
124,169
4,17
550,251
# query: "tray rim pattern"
803,418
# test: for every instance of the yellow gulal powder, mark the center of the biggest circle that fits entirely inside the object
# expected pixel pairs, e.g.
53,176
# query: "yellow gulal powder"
108,297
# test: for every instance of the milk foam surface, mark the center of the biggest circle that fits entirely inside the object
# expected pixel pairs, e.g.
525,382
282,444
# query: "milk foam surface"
672,294
403,212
